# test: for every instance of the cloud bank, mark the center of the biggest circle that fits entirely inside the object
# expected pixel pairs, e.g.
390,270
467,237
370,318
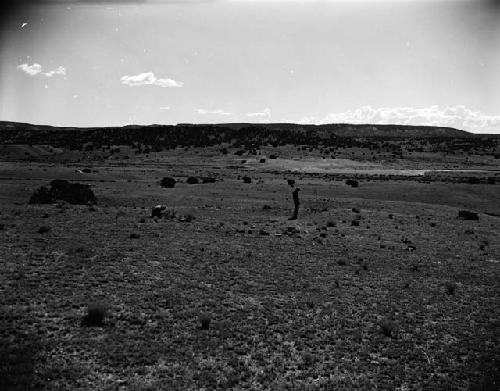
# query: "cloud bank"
148,78
264,115
458,117
36,69
217,111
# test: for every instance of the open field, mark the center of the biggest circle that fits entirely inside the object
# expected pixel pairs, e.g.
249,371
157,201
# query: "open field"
294,304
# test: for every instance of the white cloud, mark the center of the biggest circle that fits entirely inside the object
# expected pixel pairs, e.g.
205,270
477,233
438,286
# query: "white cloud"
59,71
458,117
31,70
165,108
36,69
148,78
264,115
217,111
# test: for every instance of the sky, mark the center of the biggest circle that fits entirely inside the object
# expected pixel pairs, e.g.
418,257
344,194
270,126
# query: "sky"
112,63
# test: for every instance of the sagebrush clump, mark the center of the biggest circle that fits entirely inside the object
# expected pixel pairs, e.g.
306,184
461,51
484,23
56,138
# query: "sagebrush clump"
96,315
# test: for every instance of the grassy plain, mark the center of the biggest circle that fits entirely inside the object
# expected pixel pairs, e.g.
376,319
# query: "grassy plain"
294,304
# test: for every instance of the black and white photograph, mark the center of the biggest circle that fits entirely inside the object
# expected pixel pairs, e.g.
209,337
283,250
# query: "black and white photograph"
281,195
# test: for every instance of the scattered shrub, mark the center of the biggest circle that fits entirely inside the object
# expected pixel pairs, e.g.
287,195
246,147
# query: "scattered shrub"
187,218
41,196
96,314
208,180
43,229
467,215
331,223
262,160
192,180
168,182
266,207
352,183
388,327
247,179
205,318
62,190
450,287
134,235
341,262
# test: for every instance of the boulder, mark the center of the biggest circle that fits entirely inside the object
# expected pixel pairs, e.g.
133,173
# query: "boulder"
159,211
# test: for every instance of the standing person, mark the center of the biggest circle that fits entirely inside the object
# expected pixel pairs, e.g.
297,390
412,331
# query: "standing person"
296,203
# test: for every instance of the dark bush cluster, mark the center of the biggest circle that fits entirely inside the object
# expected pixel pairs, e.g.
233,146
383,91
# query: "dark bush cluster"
352,183
96,314
467,215
168,182
62,190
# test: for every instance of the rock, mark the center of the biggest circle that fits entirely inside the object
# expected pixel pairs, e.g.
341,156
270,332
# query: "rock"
159,211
